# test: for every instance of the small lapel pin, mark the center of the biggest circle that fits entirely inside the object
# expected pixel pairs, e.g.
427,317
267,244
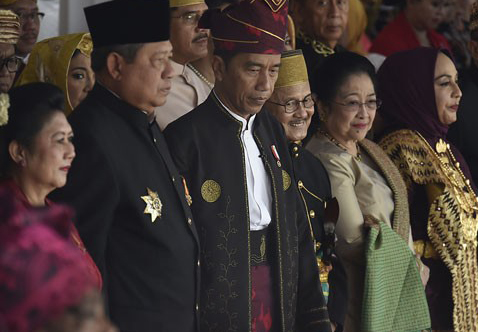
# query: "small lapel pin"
276,155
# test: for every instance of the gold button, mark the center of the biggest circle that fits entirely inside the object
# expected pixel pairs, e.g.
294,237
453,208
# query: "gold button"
295,149
190,221
312,213
300,184
296,155
199,263
197,307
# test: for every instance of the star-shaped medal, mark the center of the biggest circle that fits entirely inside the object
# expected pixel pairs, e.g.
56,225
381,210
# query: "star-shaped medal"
153,205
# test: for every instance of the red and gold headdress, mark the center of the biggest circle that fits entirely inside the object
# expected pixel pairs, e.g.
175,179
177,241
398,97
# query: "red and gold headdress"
251,26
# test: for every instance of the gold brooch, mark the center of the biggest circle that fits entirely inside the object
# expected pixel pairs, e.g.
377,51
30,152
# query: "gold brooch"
153,205
285,180
210,191
441,146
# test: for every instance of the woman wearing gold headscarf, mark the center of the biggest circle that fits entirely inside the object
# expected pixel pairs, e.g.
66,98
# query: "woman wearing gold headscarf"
63,61
354,38
9,63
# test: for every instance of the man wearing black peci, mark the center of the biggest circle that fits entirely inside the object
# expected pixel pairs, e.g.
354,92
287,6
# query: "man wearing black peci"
131,205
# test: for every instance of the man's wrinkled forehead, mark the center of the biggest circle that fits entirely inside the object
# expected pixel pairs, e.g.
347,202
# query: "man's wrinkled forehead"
6,50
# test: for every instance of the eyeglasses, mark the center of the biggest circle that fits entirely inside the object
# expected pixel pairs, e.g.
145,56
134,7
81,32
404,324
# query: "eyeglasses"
354,106
190,18
293,105
12,64
32,16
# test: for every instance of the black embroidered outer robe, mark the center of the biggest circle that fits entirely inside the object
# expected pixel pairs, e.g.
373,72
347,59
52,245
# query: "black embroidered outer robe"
207,149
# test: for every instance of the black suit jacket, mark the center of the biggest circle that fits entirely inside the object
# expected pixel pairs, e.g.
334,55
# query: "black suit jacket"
150,267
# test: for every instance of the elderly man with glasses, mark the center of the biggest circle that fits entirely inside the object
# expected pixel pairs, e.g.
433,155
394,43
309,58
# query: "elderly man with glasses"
189,87
292,104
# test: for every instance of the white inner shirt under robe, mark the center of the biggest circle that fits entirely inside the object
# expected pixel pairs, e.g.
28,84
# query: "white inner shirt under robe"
258,182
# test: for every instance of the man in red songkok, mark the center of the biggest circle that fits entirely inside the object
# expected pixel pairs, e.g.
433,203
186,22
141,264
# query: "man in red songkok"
258,266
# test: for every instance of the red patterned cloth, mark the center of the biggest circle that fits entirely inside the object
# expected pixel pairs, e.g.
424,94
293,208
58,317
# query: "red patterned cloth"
257,26
41,272
19,196
262,302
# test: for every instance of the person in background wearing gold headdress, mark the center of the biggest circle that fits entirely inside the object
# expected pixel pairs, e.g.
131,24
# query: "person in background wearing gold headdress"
463,132
189,87
64,61
258,270
292,104
10,63
354,38
30,17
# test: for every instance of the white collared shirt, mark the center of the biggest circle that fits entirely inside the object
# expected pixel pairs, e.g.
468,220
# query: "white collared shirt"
258,182
188,90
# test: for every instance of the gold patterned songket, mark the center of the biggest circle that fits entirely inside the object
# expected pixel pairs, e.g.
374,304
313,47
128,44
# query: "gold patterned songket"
210,191
153,205
462,190
452,219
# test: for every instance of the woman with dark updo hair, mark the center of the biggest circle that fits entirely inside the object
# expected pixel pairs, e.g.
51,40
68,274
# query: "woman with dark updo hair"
373,228
36,150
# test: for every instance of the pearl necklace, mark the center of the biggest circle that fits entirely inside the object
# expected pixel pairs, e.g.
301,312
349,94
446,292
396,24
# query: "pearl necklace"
201,76
358,157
